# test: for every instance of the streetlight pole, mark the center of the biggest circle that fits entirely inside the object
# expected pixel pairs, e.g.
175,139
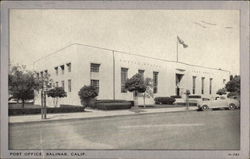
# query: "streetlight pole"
42,104
113,74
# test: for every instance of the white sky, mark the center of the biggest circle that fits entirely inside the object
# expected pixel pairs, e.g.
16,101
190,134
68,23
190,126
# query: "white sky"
212,35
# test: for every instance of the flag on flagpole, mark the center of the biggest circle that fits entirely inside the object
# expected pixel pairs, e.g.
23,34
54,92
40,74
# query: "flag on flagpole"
182,42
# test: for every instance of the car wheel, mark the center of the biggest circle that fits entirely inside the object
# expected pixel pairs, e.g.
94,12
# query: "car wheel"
204,107
232,106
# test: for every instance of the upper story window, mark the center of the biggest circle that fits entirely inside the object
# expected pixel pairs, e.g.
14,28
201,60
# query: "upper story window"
69,67
62,68
124,77
94,67
56,68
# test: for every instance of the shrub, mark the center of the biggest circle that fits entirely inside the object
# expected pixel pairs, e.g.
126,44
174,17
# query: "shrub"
233,95
164,100
25,111
113,104
221,91
55,93
87,95
136,83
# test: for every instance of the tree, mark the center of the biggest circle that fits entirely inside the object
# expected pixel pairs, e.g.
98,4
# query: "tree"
149,90
22,83
87,94
136,85
233,85
221,91
55,93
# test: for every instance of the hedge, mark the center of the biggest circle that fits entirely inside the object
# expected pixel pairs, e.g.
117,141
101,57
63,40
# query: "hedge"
110,101
164,100
194,96
29,111
175,96
113,104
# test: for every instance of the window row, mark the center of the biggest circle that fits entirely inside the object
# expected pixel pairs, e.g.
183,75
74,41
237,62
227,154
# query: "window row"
62,68
42,74
56,84
124,77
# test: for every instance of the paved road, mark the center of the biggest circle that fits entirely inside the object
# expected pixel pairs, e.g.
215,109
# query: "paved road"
180,130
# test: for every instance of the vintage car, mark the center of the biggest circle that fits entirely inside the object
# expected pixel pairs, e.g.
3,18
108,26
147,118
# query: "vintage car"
219,102
192,99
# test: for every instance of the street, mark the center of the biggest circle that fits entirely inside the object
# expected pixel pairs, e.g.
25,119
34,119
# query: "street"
179,130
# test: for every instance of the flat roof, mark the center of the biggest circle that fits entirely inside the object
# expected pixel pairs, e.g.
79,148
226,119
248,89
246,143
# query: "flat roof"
123,52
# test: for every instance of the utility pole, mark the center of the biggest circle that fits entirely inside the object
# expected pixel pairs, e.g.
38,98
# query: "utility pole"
187,98
42,110
113,74
43,99
177,44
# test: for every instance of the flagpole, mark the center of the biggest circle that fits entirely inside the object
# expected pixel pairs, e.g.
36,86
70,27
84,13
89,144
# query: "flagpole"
177,49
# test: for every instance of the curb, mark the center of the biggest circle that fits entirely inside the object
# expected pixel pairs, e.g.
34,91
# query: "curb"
98,117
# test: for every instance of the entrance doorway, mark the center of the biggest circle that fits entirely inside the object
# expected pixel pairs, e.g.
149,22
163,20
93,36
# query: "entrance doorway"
178,78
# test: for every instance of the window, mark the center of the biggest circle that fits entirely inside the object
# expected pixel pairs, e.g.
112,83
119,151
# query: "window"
56,84
155,81
69,85
141,72
69,67
94,67
194,85
62,68
56,68
46,73
95,83
124,76
41,74
202,85
63,84
224,81
210,85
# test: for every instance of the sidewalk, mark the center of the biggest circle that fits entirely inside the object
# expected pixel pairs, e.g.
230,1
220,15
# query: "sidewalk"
90,114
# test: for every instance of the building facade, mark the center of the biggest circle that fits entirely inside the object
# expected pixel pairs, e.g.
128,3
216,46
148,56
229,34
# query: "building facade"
77,65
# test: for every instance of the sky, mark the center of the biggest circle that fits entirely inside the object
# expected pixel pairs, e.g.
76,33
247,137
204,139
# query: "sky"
212,36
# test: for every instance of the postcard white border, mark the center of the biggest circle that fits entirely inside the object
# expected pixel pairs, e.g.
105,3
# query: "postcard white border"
243,6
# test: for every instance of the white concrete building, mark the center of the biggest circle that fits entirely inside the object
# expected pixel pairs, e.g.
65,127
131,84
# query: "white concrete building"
77,65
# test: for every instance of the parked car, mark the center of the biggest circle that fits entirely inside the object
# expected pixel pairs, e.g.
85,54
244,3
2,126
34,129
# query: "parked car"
219,102
193,100
12,101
